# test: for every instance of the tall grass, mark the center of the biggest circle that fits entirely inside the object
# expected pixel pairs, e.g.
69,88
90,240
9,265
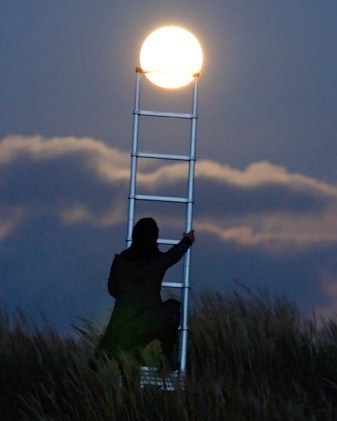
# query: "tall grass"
250,358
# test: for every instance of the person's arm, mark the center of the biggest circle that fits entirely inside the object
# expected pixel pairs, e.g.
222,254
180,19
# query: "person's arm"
175,253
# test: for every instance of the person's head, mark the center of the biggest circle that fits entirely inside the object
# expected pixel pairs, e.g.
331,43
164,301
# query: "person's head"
145,230
145,236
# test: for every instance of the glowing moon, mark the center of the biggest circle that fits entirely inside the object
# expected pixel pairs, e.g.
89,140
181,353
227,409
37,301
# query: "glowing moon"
170,56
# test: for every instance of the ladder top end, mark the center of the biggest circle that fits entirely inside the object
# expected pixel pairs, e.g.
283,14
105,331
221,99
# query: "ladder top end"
140,70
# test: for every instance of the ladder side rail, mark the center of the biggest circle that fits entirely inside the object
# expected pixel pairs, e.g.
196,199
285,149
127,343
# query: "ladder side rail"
133,166
189,218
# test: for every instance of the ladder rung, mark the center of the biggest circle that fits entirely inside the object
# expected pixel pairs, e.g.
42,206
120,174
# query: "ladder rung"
161,241
164,156
167,241
161,198
164,114
172,284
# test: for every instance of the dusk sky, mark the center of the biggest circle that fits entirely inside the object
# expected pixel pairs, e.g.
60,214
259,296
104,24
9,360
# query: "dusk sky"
266,174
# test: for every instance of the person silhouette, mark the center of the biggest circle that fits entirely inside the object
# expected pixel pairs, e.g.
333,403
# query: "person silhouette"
139,315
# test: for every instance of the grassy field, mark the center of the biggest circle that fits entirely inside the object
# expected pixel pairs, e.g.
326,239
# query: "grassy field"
250,358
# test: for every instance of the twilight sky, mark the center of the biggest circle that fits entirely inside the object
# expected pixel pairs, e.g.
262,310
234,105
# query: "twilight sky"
266,175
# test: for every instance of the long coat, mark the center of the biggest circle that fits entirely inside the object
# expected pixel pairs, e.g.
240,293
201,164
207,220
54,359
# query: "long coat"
138,316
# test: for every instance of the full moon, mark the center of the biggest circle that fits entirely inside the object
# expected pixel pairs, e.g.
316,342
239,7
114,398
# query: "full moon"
170,56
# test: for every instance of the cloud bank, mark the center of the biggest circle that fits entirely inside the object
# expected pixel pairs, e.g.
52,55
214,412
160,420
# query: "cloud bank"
77,179
63,211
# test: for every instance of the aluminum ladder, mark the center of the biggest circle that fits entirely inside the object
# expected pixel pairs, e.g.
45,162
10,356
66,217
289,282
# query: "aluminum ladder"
138,113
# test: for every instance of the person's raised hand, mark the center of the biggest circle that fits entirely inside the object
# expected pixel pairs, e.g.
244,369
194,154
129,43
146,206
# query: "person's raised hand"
190,235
